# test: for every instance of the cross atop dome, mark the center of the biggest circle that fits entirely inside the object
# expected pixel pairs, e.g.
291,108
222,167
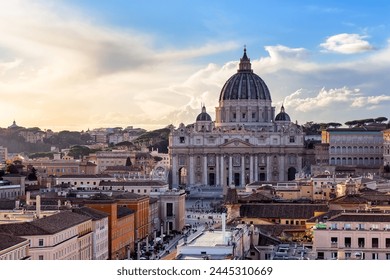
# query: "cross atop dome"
245,63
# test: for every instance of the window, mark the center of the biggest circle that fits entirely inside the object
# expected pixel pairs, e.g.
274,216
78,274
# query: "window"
292,139
169,209
387,242
40,257
387,256
333,239
320,255
40,242
234,115
360,227
182,139
361,242
253,115
333,226
347,256
347,242
375,256
333,255
347,226
375,242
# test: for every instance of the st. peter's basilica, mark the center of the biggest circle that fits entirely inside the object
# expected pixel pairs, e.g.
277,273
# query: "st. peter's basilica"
245,143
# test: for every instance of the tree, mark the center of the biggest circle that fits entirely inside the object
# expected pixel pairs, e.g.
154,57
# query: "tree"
32,176
380,119
128,161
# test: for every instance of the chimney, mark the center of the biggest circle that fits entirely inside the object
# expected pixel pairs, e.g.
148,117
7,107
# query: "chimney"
38,205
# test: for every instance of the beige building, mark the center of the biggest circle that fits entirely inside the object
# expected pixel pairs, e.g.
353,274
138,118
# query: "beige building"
63,236
353,235
386,147
13,247
355,147
247,142
3,154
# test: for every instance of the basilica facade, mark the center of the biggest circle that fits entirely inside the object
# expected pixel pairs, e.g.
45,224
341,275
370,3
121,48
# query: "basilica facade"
245,143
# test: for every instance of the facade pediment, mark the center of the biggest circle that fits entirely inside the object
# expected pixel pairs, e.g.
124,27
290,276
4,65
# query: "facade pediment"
236,143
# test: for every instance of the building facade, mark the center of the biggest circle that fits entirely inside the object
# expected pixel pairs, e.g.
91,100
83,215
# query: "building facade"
245,143
355,147
359,235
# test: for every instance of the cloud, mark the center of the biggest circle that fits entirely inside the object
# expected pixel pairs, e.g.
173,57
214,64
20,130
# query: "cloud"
62,68
346,44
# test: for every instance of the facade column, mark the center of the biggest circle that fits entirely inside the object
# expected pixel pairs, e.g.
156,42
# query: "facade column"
222,174
217,171
251,169
256,168
242,171
205,170
282,168
230,170
269,167
175,172
191,171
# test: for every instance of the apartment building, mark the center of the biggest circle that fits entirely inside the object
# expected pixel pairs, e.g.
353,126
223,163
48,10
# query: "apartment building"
100,231
121,225
353,235
13,247
62,236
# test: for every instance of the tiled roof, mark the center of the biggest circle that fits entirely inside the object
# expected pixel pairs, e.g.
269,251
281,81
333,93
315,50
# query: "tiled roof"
231,196
281,210
7,240
90,212
124,211
128,195
48,225
362,217
255,197
135,183
97,176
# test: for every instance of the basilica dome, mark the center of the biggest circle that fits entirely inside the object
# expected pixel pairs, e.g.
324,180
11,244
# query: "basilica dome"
282,116
245,85
203,116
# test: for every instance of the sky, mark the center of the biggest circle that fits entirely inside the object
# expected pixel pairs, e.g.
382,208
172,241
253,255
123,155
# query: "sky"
85,64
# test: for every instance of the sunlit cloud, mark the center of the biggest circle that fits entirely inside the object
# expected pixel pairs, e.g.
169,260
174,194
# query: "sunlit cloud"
346,44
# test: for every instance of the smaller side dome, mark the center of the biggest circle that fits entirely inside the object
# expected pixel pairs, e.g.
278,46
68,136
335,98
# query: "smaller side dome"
203,117
282,116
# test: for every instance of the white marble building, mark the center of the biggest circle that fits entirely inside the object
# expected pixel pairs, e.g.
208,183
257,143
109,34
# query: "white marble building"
245,143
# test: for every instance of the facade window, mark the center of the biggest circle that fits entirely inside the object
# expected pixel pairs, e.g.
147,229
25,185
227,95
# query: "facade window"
387,242
320,256
333,226
375,242
182,139
292,139
333,255
169,209
361,242
253,115
234,115
387,256
40,242
360,227
347,242
243,115
333,241
40,257
347,226
375,256
347,256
